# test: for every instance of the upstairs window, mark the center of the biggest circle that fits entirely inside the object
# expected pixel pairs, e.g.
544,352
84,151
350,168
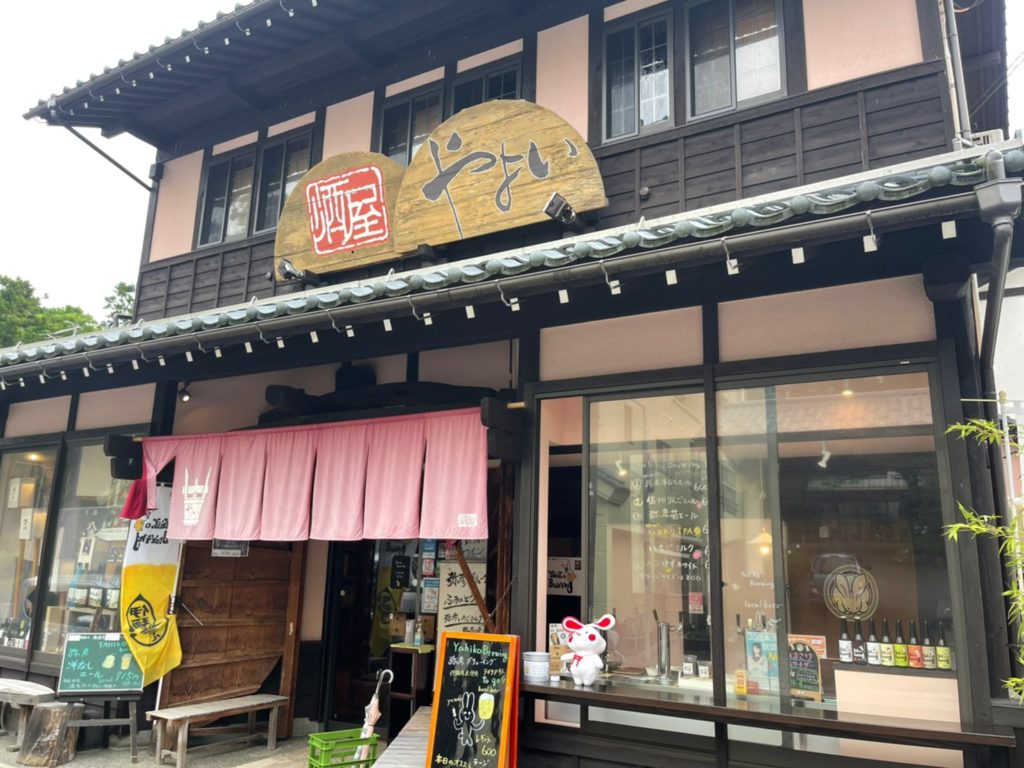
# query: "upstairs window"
227,207
489,86
406,124
638,77
735,53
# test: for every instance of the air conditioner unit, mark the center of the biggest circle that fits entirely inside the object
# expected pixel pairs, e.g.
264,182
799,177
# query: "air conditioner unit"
984,138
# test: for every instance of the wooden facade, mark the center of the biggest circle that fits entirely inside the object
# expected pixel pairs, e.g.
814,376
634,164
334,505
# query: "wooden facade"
238,626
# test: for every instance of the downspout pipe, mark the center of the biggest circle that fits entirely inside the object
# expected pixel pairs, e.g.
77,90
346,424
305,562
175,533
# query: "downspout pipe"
953,43
999,203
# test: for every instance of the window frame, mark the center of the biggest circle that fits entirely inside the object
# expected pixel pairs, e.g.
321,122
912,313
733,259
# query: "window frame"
801,368
734,104
635,21
28,659
281,139
408,98
257,149
513,63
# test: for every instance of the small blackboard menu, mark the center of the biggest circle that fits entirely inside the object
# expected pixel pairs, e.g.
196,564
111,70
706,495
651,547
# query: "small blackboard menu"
98,663
804,672
400,566
476,700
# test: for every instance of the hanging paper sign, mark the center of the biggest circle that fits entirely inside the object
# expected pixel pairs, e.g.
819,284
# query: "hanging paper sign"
341,214
493,167
564,574
431,594
400,567
457,610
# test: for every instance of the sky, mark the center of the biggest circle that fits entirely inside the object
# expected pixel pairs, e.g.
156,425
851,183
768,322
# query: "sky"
74,222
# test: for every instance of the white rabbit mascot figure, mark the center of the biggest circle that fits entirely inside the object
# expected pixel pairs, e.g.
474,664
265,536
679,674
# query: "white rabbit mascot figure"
587,645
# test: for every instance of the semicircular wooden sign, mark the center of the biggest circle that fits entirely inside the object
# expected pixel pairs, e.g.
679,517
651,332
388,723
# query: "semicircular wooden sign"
492,167
341,214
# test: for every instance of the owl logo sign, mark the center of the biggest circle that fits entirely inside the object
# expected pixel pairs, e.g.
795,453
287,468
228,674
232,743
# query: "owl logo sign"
851,592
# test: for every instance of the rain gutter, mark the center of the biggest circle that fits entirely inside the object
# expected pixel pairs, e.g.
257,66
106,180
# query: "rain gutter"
736,248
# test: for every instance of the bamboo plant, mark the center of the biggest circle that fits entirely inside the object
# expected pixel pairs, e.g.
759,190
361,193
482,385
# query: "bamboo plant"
1009,536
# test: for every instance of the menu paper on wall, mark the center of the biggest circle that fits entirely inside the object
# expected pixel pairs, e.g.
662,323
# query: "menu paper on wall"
475,717
457,610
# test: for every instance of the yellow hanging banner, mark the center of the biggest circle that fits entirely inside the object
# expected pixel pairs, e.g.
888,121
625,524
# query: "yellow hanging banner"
148,578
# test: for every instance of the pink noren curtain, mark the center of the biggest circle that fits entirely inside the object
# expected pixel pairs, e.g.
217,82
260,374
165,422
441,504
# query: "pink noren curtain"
340,483
241,488
288,484
403,477
394,469
455,477
196,480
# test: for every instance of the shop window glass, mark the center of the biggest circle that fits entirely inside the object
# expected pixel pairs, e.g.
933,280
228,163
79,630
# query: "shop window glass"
83,590
638,86
649,523
735,53
26,479
831,508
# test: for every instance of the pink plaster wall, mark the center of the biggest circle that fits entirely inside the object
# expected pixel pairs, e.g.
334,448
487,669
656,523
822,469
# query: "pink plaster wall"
236,143
476,365
290,125
894,311
486,57
846,40
115,407
562,68
347,126
647,342
174,223
38,417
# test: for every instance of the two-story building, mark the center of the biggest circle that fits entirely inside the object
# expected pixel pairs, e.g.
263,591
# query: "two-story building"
725,255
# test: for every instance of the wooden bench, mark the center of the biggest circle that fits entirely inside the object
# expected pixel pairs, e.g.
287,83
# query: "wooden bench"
208,711
23,695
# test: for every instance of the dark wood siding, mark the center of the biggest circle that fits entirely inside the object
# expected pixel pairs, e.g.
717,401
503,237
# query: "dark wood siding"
815,136
832,132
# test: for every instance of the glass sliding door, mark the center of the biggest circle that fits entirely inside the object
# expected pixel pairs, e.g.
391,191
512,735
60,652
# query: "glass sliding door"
831,535
646,475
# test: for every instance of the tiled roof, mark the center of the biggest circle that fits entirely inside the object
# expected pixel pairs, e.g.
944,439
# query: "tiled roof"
884,186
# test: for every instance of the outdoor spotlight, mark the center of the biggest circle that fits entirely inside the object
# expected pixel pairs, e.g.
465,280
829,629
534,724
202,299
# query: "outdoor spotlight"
288,271
183,394
558,208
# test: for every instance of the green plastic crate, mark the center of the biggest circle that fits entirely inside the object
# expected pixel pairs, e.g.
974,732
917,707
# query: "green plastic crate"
337,748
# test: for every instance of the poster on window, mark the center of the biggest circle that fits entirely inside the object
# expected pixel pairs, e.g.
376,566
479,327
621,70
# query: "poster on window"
565,575
457,610
430,597
762,649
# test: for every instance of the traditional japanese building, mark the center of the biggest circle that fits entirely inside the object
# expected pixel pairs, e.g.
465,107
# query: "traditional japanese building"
717,264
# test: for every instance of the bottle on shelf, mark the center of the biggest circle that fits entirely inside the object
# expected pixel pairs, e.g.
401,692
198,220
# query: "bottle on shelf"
874,647
885,649
417,638
899,647
943,653
915,653
927,649
845,644
860,651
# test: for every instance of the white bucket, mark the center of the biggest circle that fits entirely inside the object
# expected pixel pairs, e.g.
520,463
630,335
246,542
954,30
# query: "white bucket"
536,665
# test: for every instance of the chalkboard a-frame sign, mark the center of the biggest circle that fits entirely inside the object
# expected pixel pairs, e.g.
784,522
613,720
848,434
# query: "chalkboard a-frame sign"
98,664
476,702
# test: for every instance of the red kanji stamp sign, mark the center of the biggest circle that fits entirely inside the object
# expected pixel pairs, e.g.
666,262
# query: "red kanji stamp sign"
348,210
